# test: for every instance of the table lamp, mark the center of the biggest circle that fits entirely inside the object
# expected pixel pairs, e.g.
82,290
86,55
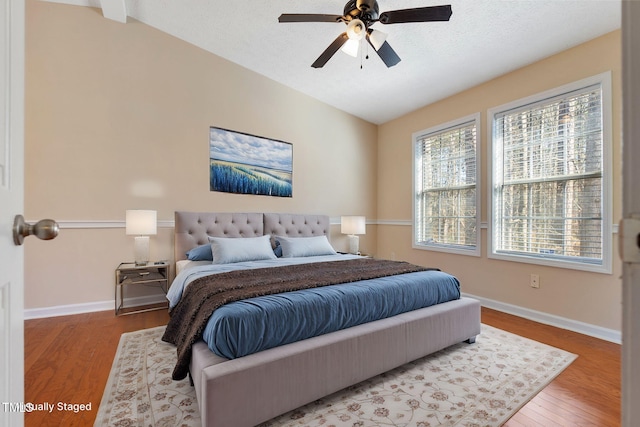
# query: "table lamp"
142,224
353,225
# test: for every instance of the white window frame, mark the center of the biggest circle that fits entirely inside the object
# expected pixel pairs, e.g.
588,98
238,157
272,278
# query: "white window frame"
605,266
453,249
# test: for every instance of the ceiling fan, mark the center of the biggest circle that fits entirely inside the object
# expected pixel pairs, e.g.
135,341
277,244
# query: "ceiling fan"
359,15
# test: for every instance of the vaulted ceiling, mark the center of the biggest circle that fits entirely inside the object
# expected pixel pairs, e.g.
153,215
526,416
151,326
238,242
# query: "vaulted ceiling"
482,40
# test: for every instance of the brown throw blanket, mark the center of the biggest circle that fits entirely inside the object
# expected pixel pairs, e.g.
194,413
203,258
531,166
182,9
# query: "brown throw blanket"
190,316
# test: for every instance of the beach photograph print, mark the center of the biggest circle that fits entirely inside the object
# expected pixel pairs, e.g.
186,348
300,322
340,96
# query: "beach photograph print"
248,164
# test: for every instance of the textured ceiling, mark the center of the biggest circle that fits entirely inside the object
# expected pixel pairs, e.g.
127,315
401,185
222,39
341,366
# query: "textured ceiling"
484,39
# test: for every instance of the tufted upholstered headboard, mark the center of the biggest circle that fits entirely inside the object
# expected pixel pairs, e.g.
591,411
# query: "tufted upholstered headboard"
193,228
292,225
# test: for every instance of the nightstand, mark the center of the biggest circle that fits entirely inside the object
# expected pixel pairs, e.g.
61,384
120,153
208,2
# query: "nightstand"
151,274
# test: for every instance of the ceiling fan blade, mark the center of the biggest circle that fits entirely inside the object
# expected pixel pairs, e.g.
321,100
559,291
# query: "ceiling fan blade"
309,17
418,14
330,51
386,53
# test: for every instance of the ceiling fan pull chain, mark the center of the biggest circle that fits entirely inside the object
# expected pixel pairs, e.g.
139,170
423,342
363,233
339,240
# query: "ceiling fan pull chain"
366,56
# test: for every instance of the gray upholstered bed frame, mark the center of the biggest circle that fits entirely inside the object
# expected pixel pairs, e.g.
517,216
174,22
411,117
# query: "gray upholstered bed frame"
249,390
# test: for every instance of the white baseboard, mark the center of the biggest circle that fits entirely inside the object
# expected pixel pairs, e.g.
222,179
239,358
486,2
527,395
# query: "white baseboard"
549,319
66,310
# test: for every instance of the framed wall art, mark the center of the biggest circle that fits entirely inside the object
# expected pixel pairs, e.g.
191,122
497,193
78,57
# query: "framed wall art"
247,164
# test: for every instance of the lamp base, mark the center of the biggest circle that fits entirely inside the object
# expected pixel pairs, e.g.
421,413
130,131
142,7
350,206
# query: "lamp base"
141,250
354,244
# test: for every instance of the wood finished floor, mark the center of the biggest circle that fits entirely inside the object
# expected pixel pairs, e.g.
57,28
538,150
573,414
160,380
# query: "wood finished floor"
68,359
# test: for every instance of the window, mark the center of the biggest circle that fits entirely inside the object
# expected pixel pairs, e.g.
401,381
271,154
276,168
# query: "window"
446,202
551,178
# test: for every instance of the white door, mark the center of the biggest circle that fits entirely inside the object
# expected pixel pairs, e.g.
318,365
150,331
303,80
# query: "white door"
631,209
11,203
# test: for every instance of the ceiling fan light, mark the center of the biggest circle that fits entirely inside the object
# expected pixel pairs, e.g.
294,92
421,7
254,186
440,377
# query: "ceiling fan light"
377,39
351,47
356,29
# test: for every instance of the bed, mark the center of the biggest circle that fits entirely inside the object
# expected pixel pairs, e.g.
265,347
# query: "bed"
239,383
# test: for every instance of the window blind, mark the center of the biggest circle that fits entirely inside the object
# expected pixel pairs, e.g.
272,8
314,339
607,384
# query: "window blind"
446,187
548,177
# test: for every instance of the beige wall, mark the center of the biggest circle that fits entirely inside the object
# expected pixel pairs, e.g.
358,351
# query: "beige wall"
587,297
117,117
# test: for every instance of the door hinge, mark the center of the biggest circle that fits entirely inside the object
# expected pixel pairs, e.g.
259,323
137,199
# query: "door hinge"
629,240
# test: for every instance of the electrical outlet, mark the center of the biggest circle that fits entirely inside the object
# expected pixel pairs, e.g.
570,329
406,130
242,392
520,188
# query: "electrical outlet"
535,281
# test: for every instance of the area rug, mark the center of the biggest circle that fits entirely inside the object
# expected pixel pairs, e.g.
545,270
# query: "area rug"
481,384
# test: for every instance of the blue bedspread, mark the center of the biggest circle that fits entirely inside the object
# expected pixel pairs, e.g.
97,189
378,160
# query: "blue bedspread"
244,327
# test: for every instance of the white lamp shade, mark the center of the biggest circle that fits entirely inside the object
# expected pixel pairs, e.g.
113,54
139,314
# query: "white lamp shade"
356,29
377,39
352,225
141,222
351,47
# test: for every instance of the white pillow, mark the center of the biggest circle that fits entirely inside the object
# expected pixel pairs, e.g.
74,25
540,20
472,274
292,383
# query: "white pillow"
305,246
237,249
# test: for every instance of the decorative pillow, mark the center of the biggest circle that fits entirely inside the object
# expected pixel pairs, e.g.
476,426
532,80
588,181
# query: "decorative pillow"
278,249
305,246
200,253
227,250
